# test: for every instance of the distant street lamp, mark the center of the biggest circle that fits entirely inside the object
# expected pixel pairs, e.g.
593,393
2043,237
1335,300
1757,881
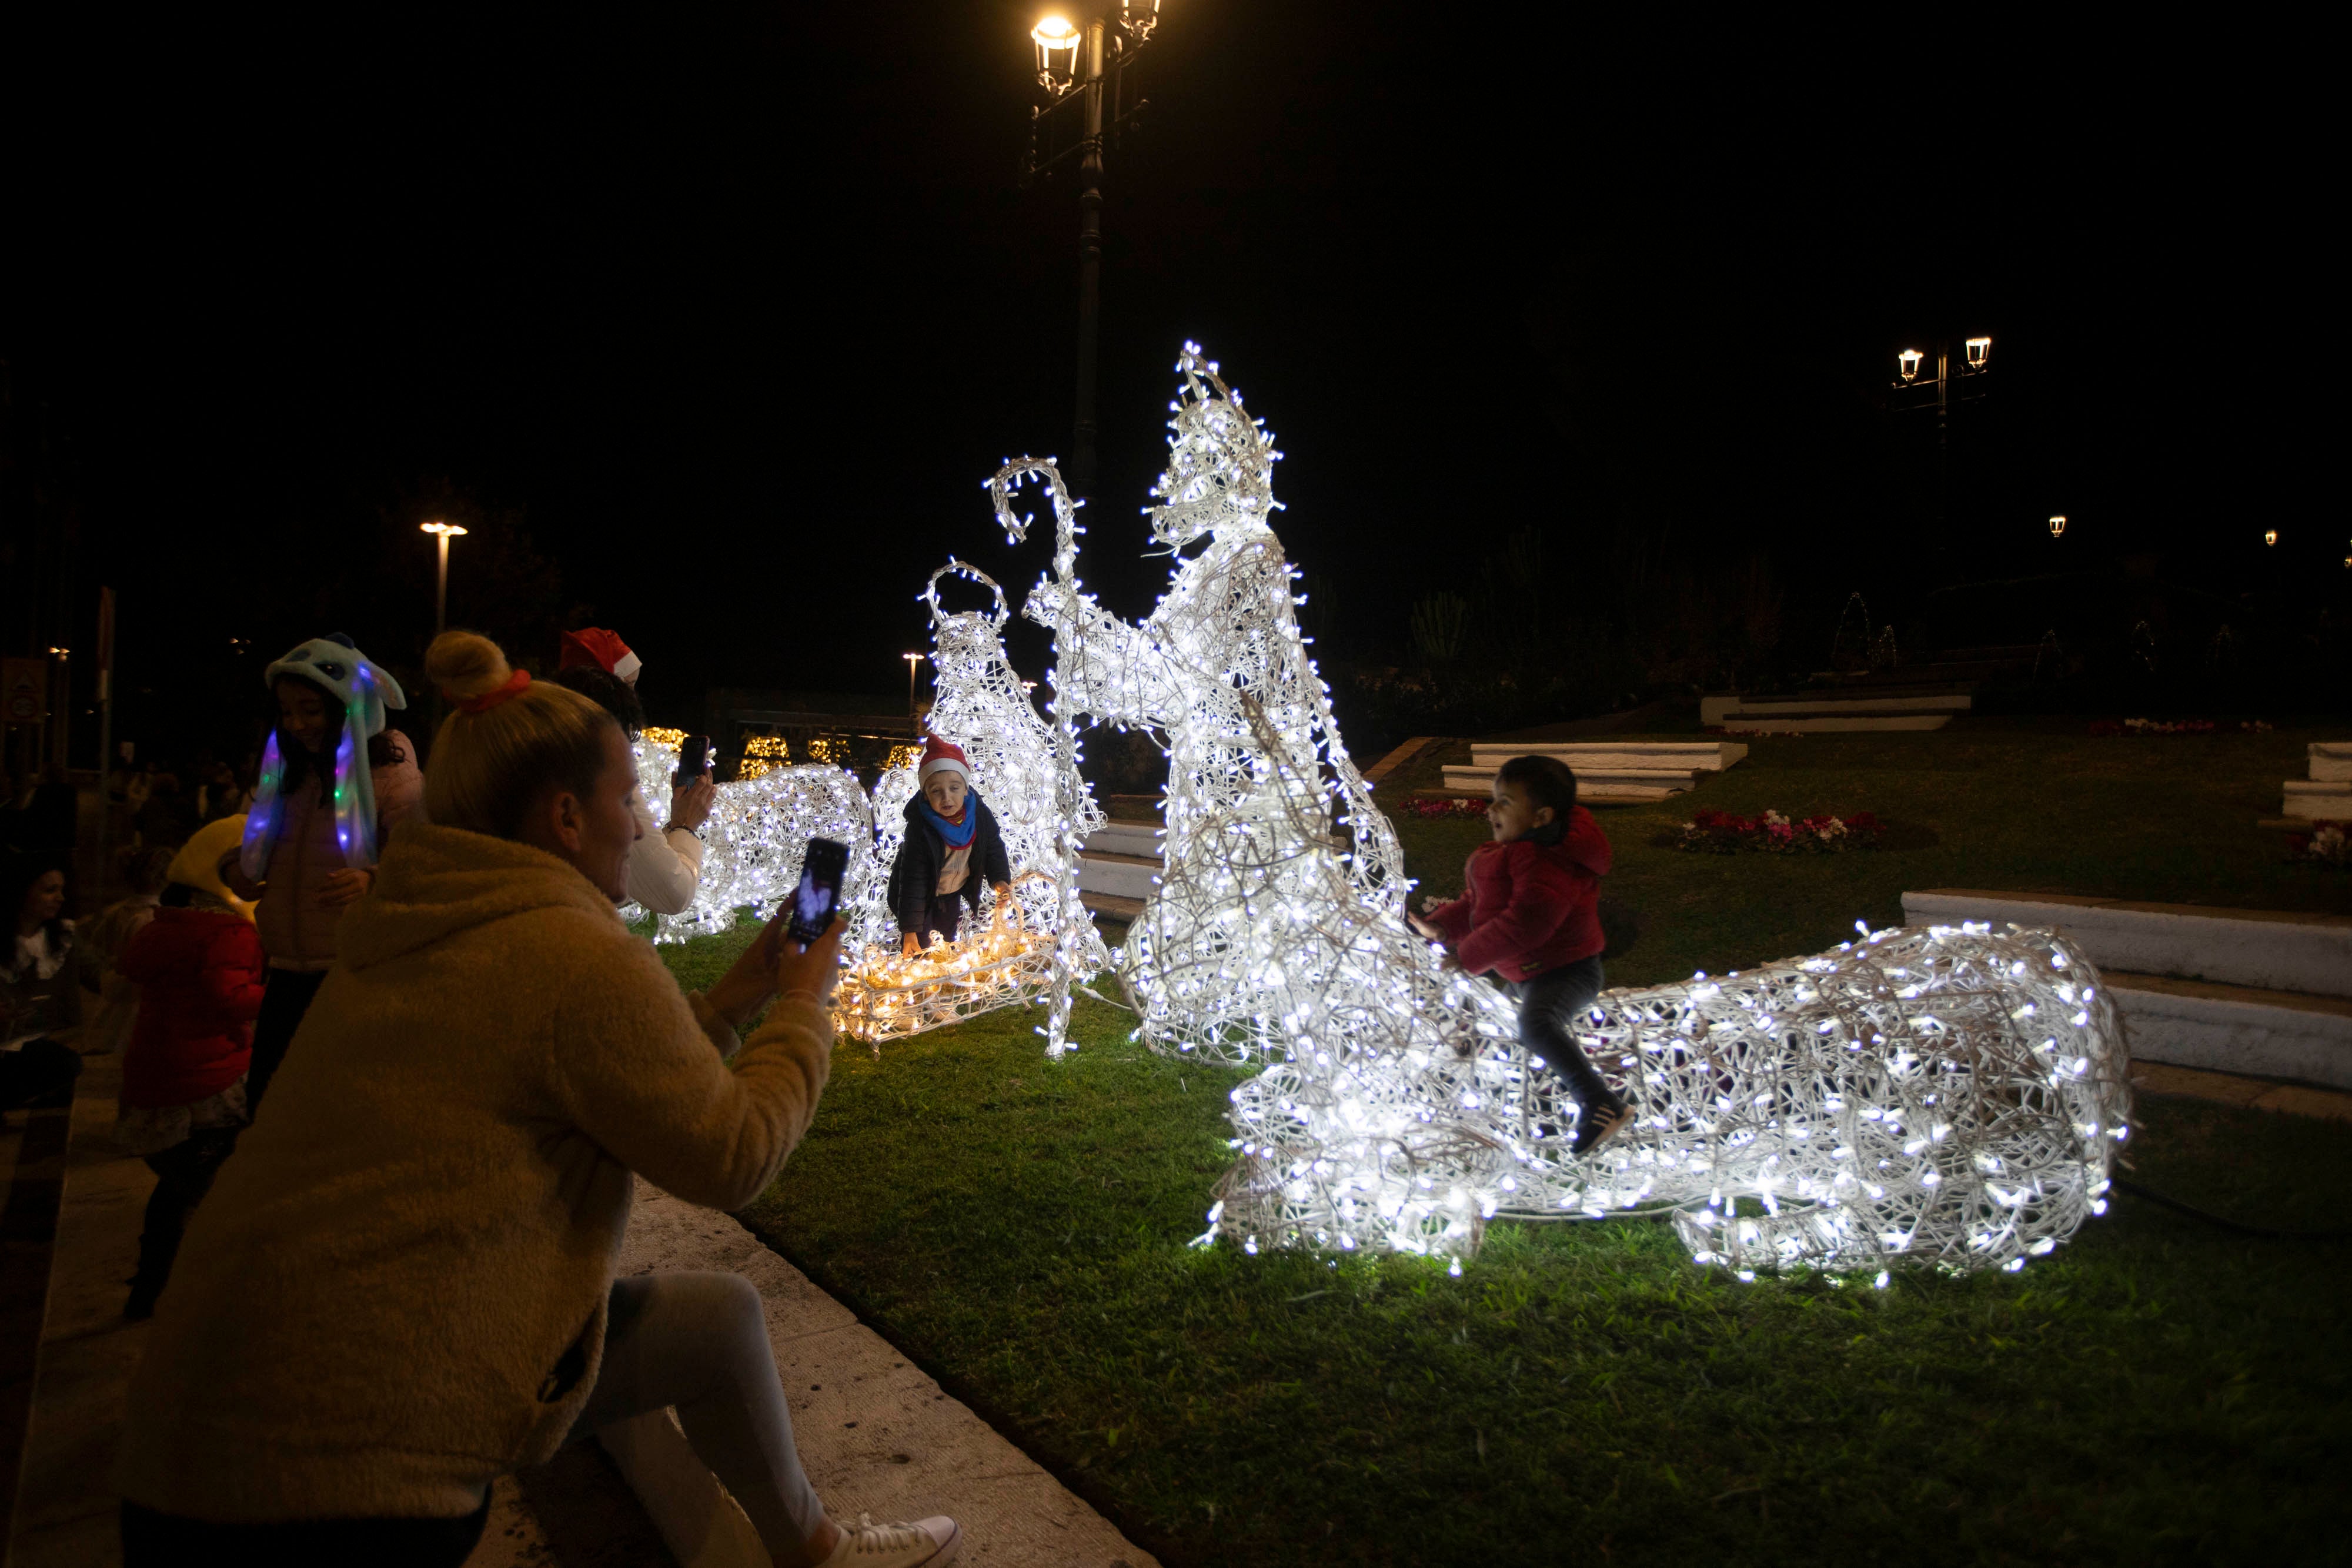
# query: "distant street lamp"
1077,62
1952,385
2057,524
912,660
2269,536
443,533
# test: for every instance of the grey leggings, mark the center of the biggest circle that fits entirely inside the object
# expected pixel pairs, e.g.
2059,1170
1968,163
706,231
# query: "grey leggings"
699,1342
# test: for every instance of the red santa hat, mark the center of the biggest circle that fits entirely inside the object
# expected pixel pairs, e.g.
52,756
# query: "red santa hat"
594,645
941,756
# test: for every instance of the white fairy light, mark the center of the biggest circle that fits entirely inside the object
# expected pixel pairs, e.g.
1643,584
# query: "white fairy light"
1891,1102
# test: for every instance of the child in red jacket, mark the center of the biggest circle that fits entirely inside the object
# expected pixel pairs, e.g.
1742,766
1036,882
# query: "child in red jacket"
200,970
1531,915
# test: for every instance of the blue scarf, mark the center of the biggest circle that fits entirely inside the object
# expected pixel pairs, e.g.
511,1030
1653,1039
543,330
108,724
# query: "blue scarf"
957,835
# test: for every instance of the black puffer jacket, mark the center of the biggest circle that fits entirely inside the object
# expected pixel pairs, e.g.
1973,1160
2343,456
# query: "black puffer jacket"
917,870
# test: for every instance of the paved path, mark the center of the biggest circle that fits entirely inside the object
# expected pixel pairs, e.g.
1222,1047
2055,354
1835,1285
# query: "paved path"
876,1435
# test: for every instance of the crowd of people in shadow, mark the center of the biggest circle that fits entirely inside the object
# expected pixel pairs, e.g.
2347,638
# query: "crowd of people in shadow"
396,1280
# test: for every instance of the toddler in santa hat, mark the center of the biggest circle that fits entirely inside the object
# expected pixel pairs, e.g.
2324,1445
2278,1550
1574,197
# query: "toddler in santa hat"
951,846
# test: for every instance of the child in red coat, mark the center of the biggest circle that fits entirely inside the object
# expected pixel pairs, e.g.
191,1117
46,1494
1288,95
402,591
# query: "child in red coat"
1531,915
200,970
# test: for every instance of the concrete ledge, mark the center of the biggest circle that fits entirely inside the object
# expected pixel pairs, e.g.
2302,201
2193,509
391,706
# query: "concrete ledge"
1125,838
2235,1029
2250,1093
2272,950
1713,755
2331,761
1123,877
1754,723
1722,709
2321,800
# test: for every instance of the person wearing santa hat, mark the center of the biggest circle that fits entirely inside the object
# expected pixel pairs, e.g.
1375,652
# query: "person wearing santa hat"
951,846
665,867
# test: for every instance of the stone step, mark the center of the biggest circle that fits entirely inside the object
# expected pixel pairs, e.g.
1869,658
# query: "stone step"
1670,780
1606,795
1125,838
1581,754
1722,707
2320,800
1123,877
1828,724
2270,950
2331,761
2234,1028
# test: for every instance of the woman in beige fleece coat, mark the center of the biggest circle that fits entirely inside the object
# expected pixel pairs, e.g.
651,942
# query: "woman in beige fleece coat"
403,1285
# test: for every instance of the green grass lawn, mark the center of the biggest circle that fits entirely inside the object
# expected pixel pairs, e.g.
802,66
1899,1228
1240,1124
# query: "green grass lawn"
2158,1390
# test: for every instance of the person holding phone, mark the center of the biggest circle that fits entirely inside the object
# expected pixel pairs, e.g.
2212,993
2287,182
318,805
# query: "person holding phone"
665,866
951,846
402,1284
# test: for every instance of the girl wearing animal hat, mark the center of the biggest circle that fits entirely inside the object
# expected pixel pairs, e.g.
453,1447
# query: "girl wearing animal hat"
334,782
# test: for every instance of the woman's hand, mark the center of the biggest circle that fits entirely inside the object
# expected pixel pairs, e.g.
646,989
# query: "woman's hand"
345,887
774,964
690,808
1424,927
909,945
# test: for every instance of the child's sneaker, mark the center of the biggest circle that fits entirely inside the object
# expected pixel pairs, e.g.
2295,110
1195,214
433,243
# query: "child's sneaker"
1596,1125
925,1543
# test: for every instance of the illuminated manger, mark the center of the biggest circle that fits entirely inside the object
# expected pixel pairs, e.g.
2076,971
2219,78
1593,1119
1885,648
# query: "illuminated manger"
884,995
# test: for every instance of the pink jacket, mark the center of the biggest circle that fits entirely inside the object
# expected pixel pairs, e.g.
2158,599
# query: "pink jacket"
297,930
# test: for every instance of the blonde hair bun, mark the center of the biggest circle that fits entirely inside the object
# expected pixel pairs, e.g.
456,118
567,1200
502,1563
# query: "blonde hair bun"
467,665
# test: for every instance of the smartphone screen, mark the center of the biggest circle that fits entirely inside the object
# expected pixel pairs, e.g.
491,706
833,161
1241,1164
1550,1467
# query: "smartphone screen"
693,761
822,869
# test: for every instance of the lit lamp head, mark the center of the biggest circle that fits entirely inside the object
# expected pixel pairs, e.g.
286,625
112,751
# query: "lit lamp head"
1979,351
2269,536
1908,361
2057,524
1058,53
447,530
1138,18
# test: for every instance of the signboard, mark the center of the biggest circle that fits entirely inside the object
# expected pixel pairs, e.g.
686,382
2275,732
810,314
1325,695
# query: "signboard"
24,690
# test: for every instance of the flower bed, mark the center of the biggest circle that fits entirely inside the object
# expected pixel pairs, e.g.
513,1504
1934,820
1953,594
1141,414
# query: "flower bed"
1722,833
2170,726
2329,844
1434,806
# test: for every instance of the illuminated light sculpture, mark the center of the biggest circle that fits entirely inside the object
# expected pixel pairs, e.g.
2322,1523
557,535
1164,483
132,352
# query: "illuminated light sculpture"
757,832
763,755
1044,944
1947,1098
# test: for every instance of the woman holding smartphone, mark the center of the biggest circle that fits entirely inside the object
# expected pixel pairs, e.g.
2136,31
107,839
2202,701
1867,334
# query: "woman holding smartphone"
403,1285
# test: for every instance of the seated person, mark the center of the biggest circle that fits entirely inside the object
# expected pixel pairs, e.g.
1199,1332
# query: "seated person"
951,846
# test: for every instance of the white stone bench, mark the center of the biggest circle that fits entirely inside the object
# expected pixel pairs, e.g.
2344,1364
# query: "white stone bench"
2331,761
2263,992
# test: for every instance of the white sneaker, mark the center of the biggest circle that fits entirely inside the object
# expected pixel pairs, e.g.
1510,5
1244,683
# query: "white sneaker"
925,1543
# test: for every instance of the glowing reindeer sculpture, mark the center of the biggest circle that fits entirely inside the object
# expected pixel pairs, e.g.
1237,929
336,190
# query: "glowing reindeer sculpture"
1947,1097
1044,944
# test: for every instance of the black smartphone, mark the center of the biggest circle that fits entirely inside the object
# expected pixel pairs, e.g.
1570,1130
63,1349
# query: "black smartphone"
693,761
823,866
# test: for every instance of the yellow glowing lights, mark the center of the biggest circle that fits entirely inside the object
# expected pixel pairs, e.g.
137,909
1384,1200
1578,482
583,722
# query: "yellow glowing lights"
667,739
902,757
447,530
1979,351
2057,524
1058,53
1908,362
2269,536
763,755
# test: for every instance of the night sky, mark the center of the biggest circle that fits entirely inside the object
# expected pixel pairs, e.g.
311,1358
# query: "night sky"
732,316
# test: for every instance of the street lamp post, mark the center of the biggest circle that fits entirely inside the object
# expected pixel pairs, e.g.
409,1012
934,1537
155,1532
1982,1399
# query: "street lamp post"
912,660
1952,384
1075,66
443,533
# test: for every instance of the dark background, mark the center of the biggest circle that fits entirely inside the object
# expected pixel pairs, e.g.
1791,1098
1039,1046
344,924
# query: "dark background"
711,327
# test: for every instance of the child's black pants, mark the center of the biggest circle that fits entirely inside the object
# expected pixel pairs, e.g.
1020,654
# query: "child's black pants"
1548,1005
183,1174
